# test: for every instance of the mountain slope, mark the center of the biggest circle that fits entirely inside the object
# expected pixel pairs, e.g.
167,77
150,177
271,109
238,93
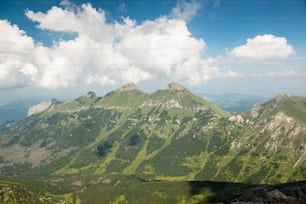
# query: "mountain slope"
169,135
131,189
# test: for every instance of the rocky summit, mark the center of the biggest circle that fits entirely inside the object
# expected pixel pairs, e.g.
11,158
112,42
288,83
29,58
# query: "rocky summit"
43,106
176,87
128,87
90,94
161,141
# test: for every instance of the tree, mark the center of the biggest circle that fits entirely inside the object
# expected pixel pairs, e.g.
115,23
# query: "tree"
103,148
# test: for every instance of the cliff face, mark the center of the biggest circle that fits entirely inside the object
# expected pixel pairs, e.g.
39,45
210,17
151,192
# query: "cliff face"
43,106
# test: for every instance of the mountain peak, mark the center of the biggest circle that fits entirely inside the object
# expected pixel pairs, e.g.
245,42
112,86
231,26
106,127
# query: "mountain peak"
90,94
43,106
176,87
128,87
278,99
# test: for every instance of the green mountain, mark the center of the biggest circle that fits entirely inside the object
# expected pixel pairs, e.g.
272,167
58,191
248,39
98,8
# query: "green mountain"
130,189
168,136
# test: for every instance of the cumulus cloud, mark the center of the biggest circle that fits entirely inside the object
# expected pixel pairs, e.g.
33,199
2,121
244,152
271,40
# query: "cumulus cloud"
16,68
185,10
105,52
263,47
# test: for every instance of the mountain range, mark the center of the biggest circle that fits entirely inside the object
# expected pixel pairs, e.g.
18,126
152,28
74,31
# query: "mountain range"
166,140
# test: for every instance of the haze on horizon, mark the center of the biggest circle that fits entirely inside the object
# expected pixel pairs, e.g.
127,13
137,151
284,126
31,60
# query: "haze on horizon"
65,48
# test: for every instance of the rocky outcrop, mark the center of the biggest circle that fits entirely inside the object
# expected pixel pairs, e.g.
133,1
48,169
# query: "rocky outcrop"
197,108
90,94
255,111
278,99
41,107
151,103
236,118
172,103
128,87
176,87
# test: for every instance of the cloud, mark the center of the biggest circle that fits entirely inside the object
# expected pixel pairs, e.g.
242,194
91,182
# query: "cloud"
122,8
213,3
105,52
16,68
83,20
185,10
263,47
283,73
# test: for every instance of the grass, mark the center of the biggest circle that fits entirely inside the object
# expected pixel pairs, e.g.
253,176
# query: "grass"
159,141
118,188
141,156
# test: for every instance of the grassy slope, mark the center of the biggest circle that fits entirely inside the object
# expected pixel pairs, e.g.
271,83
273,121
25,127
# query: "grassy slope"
174,144
111,188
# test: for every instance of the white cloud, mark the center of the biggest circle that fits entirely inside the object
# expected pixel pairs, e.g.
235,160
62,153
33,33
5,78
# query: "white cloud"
99,79
263,47
16,68
122,8
103,52
185,10
85,20
284,73
160,46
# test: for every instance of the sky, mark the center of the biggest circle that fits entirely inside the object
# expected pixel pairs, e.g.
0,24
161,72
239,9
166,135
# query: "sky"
62,49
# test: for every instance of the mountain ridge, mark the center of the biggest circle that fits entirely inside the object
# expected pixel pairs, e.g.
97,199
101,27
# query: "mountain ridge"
123,97
170,134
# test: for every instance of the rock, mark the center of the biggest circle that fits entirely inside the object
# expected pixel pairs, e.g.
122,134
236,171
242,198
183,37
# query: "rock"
41,107
277,100
198,108
276,194
90,94
173,104
128,87
151,103
255,111
236,118
176,87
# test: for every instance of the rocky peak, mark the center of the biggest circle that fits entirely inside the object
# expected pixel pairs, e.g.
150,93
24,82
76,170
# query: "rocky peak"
43,106
176,87
90,94
255,111
236,118
278,99
128,87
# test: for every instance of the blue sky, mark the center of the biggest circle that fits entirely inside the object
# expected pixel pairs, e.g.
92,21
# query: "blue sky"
65,48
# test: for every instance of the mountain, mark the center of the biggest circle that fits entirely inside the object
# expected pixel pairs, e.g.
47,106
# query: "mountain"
268,143
41,107
170,135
